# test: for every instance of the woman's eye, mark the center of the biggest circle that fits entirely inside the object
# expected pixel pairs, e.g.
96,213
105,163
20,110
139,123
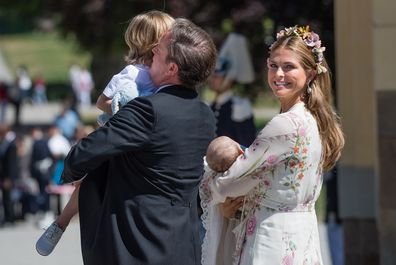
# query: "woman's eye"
289,67
272,65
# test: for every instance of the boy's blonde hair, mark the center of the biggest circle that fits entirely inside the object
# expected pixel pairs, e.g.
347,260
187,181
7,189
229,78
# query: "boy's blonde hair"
143,33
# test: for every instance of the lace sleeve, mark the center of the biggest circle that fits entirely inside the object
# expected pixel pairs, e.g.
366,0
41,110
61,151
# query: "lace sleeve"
211,218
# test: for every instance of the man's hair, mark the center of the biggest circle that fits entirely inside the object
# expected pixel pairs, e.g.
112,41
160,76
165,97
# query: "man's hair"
193,51
143,34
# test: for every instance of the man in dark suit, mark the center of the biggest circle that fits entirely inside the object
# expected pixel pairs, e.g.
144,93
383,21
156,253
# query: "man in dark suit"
153,150
9,171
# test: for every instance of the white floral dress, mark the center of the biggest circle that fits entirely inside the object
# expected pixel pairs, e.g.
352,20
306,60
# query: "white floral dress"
280,175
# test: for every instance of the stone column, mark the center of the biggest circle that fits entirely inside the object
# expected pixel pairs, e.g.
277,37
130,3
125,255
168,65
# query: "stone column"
357,175
366,87
384,28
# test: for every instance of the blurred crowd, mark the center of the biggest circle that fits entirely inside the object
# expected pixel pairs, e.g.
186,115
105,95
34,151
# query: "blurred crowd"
27,90
31,161
31,158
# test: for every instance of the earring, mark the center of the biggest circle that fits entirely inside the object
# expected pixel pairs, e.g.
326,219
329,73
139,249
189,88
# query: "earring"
309,88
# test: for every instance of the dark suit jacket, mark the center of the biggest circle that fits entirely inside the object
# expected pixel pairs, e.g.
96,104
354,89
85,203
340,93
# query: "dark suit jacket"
148,214
8,160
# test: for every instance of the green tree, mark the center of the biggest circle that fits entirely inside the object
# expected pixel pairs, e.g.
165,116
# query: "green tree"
98,25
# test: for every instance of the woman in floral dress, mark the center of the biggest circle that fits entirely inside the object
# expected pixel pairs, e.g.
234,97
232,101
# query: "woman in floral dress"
280,174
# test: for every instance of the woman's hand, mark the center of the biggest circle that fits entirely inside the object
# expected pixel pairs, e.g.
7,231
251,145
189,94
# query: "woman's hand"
231,206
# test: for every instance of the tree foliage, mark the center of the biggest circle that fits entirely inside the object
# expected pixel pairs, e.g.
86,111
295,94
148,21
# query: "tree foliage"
98,25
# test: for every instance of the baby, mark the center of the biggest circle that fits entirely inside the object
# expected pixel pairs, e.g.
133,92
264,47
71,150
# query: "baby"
220,155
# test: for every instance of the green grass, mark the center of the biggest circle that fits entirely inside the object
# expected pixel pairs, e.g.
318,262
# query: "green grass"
47,54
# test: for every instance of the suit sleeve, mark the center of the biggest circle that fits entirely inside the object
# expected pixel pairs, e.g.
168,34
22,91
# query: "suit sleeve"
126,131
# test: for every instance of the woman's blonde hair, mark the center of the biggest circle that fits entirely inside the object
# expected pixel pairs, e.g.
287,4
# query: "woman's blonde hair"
143,34
319,100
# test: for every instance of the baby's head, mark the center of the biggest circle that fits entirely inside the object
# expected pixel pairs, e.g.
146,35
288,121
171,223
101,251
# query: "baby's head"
221,153
143,34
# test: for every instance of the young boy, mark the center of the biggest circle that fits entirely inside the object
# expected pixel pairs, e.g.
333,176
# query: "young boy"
141,36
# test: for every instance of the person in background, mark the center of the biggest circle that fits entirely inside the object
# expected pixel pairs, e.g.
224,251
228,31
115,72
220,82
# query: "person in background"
58,146
9,171
39,90
24,83
85,86
67,121
3,101
234,114
41,163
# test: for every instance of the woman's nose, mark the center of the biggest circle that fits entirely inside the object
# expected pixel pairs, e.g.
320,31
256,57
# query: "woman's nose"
279,72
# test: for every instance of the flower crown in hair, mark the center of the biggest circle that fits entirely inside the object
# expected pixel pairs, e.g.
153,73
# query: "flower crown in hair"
311,39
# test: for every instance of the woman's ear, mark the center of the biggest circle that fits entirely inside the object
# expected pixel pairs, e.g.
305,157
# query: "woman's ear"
311,75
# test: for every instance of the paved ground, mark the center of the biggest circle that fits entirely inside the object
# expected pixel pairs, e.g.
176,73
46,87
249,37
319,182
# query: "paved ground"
18,246
43,114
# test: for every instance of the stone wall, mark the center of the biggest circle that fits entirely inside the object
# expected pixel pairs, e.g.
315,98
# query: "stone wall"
366,88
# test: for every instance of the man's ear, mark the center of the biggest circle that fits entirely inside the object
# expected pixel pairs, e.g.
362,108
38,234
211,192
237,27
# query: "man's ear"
173,69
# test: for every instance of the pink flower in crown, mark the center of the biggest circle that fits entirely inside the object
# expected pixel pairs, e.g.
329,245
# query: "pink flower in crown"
313,40
251,225
287,260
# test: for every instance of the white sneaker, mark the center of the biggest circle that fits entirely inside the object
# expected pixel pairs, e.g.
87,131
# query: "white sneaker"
46,220
48,240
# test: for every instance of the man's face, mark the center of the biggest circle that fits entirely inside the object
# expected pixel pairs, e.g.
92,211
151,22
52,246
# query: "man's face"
159,70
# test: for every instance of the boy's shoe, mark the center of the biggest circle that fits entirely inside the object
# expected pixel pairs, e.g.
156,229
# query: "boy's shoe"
48,240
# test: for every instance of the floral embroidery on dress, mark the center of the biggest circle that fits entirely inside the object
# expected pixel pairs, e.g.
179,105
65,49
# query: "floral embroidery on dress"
296,162
290,248
311,255
251,225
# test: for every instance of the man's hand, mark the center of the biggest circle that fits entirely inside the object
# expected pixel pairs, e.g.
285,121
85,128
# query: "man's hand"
231,206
